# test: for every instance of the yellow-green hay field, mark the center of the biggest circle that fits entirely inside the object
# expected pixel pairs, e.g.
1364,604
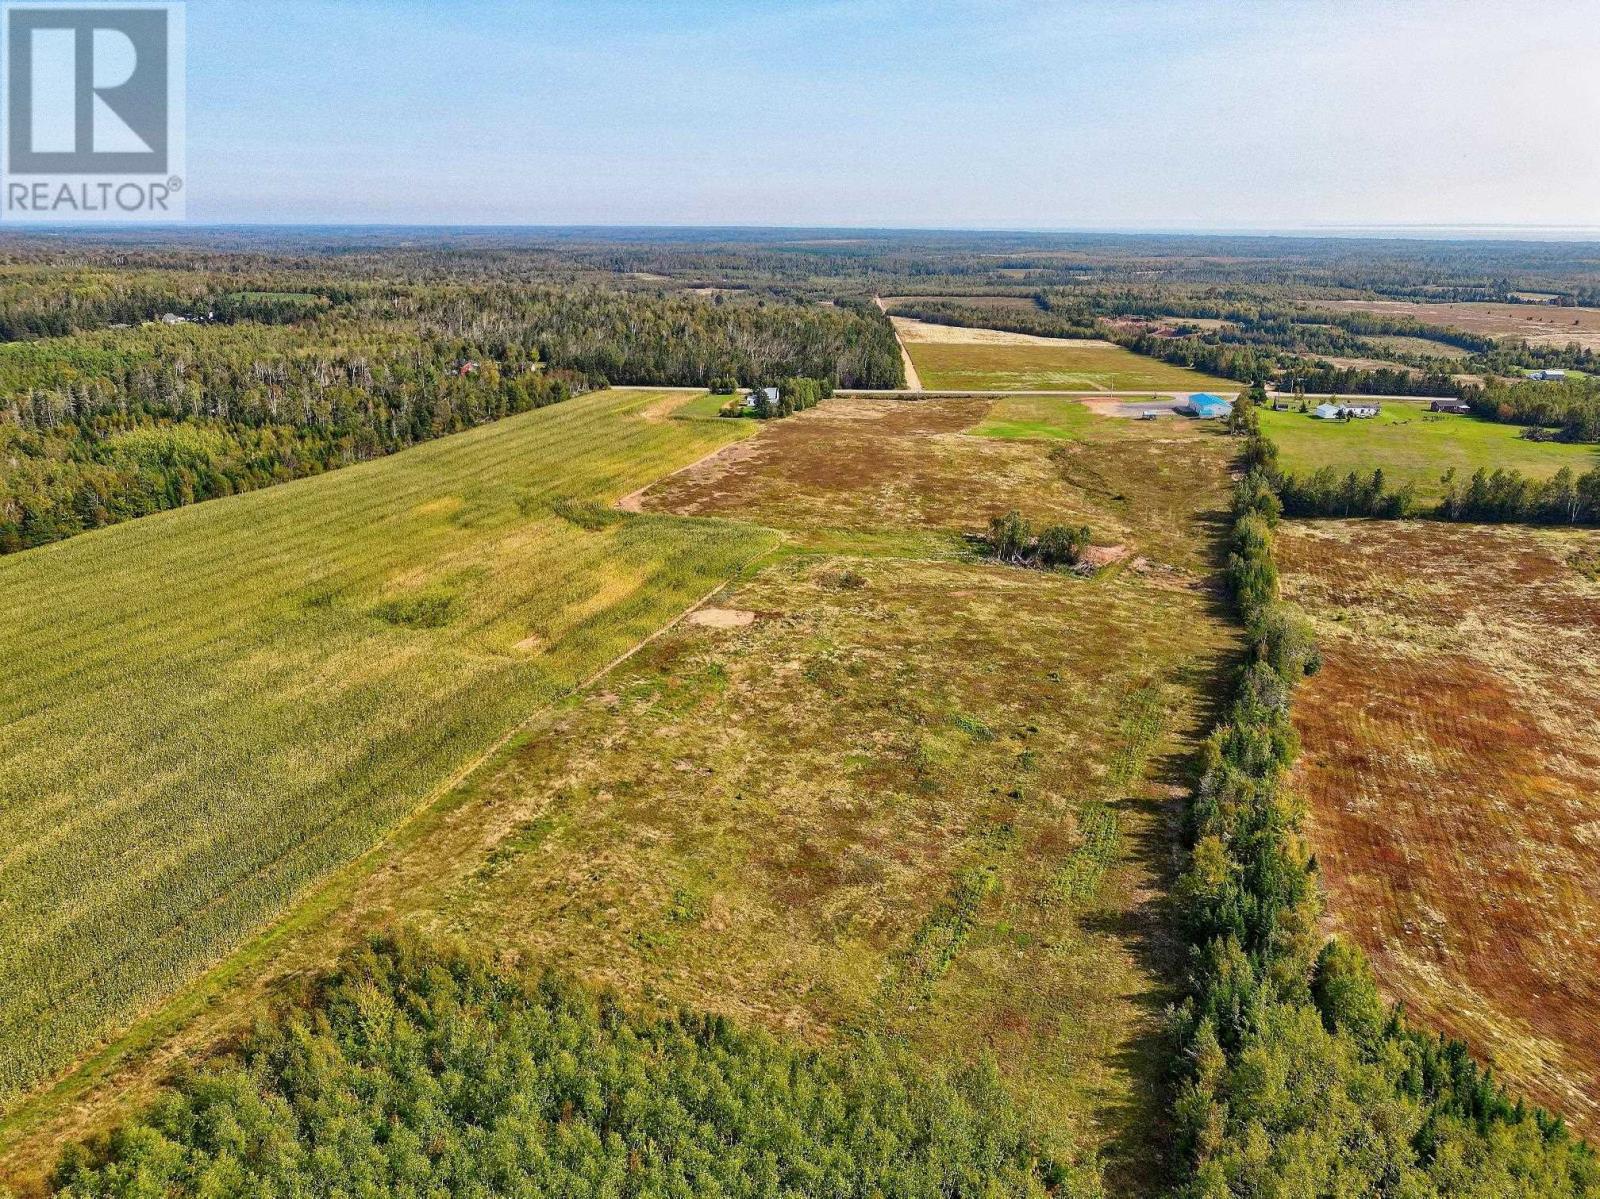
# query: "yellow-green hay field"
208,709
1086,366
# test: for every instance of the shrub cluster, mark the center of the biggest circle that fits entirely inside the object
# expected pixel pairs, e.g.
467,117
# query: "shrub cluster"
1011,539
1296,1079
415,1072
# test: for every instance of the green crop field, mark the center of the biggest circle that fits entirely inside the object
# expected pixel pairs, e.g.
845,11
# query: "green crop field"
1411,444
1069,366
207,709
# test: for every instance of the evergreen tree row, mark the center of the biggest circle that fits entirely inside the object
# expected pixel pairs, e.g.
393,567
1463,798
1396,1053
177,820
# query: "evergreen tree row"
1296,1080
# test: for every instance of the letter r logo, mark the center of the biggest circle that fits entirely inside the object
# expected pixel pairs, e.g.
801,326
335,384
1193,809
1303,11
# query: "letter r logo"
86,90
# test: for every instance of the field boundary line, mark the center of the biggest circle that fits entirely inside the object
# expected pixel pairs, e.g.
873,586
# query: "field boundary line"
913,380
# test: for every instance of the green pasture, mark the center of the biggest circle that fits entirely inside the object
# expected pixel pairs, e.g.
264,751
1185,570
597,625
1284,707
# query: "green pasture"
1411,444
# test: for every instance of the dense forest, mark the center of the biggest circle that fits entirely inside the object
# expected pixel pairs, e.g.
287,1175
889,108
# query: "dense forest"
219,389
1296,1077
416,1072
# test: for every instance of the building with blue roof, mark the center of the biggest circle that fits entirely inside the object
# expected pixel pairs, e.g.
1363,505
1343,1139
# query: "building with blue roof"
1206,406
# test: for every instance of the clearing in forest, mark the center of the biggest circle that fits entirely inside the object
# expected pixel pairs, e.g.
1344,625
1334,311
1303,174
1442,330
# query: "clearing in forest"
1537,324
208,709
1412,445
956,358
883,787
1452,768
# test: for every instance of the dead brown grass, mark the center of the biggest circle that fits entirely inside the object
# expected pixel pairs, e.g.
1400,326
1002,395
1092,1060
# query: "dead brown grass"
867,464
1452,766
1538,324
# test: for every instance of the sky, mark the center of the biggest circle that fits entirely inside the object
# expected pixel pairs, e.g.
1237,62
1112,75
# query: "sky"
1160,114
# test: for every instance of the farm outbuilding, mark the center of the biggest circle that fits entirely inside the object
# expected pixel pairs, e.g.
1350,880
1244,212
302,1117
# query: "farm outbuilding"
1343,411
1207,406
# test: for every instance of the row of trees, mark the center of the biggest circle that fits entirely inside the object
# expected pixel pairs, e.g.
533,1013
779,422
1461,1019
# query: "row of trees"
1499,495
1296,1079
416,1072
795,394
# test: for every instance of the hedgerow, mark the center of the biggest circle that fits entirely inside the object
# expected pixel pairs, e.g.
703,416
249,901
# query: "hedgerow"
1295,1078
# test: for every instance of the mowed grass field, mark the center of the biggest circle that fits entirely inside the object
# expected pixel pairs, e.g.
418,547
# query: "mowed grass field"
916,795
1452,767
1414,445
207,709
951,359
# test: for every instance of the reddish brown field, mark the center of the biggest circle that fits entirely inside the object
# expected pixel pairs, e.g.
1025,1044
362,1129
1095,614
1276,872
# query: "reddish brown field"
860,464
1538,324
1452,768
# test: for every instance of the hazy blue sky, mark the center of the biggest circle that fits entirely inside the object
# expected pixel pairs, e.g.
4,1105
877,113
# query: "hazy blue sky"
881,112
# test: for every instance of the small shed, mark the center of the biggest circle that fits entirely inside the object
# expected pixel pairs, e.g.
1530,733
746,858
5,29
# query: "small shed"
1207,406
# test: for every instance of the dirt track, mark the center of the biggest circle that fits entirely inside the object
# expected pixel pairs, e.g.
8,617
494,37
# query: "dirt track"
913,380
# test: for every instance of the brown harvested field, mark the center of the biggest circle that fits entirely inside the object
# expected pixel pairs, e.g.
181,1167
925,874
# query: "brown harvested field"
1451,764
859,463
915,332
1538,324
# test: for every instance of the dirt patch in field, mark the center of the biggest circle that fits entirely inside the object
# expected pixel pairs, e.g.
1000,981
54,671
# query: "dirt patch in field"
1098,556
1451,763
722,618
927,333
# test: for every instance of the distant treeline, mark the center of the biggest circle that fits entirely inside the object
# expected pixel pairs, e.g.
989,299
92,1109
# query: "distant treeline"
822,263
1296,1078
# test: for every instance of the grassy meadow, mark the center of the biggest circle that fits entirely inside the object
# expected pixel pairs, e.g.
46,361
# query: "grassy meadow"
879,786
1414,445
1027,417
1067,366
209,708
